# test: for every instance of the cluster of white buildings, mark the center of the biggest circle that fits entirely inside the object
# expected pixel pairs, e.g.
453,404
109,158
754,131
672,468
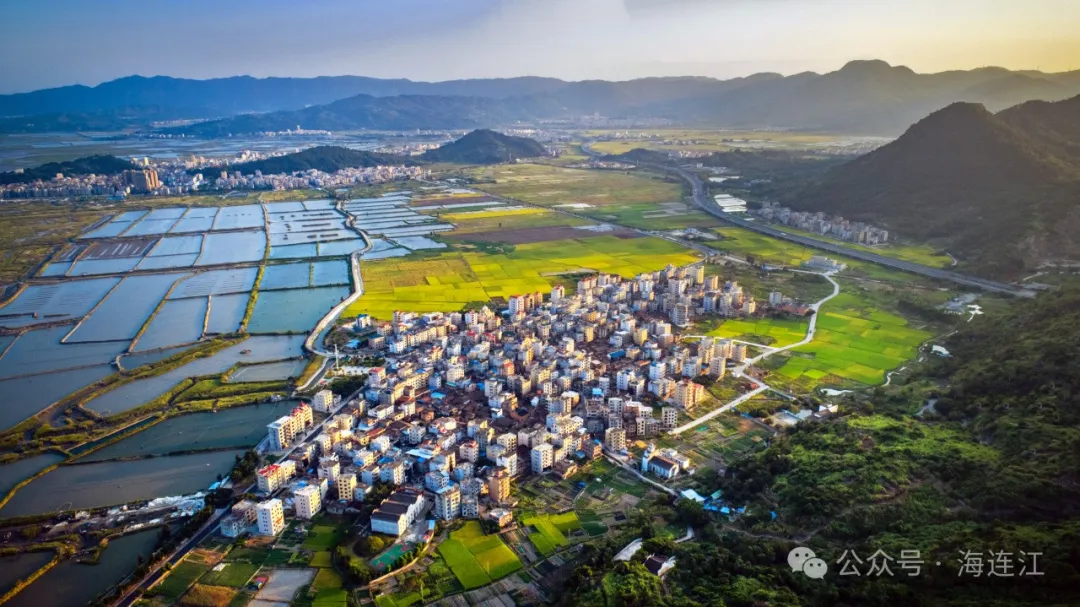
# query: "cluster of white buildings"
825,225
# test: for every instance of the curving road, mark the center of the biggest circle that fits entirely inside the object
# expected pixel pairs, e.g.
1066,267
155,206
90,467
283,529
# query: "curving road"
709,206
740,371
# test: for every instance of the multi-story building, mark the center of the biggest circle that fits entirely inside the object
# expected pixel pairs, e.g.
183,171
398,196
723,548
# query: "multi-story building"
324,401
470,506
615,439
499,485
688,394
448,503
270,517
669,417
308,501
397,512
542,457
346,486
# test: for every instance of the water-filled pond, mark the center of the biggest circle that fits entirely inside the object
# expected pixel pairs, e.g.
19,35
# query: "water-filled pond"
259,348
125,310
179,321
293,309
72,584
110,483
240,427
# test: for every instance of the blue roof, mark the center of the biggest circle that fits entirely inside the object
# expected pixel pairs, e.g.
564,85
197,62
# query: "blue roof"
597,392
438,395
725,510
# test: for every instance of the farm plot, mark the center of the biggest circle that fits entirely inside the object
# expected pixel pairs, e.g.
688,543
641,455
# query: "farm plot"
177,245
123,312
777,332
477,559
854,341
552,185
449,281
546,531
340,248
231,575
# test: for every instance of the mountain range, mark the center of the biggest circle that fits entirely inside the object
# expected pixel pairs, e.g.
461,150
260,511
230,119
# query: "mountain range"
96,165
863,97
1000,191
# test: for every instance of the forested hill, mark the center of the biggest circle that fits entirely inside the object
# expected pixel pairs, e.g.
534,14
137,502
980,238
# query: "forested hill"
999,191
326,158
97,165
486,147
991,468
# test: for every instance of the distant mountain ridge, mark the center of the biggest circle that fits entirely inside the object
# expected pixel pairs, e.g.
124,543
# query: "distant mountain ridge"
864,97
484,146
325,158
1002,190
90,165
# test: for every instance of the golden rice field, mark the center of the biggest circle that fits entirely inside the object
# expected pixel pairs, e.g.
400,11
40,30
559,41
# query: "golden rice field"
449,281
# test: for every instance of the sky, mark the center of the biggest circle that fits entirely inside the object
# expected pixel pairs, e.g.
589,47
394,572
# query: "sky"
59,42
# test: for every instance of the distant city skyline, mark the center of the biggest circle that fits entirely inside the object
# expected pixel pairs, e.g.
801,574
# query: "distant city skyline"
61,42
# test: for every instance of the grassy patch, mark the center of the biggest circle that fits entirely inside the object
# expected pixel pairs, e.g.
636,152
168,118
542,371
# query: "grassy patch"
323,558
552,185
322,537
180,579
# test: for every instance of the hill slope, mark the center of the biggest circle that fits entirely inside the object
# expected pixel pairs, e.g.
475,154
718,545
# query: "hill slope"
486,147
994,189
325,158
96,165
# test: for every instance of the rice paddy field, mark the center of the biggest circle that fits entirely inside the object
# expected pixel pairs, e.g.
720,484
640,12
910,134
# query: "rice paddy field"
775,331
448,281
547,532
854,341
477,559
553,185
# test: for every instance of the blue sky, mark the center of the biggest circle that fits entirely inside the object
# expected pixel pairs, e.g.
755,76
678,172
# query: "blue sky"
57,42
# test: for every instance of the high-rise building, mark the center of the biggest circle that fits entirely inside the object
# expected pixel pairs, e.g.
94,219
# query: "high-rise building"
308,501
718,367
669,417
142,180
271,517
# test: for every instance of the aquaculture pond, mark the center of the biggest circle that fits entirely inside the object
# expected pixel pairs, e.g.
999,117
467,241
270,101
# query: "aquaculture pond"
226,312
125,310
239,427
260,348
72,584
40,351
179,321
269,371
20,566
12,474
294,309
75,487
26,396
216,282
232,247
49,303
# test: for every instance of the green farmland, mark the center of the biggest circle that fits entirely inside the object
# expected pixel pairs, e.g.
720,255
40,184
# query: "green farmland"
477,559
854,341
449,281
778,332
553,185
550,529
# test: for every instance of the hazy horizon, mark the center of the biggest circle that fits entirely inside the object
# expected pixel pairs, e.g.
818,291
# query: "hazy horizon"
65,42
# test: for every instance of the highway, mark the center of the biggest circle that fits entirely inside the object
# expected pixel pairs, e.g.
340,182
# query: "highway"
701,198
